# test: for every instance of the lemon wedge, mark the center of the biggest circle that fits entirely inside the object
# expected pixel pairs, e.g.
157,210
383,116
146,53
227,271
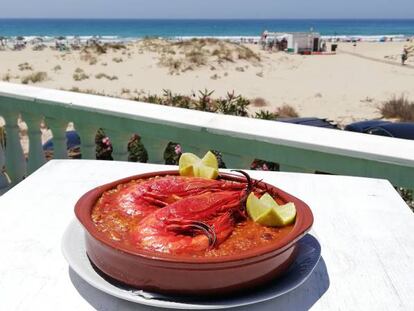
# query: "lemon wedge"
267,212
191,165
268,200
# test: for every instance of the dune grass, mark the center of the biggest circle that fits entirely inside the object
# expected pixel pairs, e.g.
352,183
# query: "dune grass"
259,102
187,55
89,58
80,75
286,111
398,108
35,77
57,68
117,60
25,66
6,77
104,75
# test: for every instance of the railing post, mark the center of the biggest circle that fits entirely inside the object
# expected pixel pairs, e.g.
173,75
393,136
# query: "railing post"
87,136
58,128
15,160
119,142
36,156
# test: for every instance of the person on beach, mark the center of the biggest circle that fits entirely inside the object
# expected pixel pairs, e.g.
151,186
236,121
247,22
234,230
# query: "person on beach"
270,44
323,46
404,56
263,39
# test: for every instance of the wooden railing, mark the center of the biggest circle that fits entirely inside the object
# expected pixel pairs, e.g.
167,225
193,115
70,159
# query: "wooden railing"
295,147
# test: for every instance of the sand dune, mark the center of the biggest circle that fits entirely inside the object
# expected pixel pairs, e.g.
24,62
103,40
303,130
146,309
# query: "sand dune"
342,87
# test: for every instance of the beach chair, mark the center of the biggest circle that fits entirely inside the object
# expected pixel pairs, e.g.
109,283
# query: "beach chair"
76,44
19,44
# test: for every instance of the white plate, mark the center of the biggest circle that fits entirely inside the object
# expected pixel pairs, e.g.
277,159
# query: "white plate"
73,247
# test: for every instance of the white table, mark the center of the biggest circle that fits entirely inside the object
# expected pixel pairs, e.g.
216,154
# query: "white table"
365,229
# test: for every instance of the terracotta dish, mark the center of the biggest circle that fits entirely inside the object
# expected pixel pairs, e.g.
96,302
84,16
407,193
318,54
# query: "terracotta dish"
166,273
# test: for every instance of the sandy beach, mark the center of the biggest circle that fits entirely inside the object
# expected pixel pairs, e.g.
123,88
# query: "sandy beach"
344,87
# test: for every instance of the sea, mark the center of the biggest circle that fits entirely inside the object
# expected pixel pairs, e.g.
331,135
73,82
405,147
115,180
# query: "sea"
130,29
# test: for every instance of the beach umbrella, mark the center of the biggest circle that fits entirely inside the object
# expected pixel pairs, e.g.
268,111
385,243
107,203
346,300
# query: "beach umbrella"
20,38
36,40
60,38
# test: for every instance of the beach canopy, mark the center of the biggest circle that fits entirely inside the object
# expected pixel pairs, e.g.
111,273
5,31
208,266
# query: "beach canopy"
61,38
20,38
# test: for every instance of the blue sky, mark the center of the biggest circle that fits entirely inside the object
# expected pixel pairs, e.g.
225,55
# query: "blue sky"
208,8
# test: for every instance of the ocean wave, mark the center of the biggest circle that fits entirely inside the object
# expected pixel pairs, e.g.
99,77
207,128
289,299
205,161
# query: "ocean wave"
241,38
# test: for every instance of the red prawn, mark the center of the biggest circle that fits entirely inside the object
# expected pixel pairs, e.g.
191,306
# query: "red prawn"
192,224
146,197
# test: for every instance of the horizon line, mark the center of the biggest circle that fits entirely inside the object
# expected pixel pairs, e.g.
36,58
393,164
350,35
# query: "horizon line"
207,18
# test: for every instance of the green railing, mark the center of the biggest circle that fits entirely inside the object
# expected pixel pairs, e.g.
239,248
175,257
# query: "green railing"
295,147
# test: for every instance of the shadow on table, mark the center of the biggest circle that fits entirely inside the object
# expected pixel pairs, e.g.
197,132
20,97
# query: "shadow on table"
100,300
302,298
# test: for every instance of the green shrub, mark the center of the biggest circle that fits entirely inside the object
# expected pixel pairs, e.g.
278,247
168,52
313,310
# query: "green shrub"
266,115
233,105
407,195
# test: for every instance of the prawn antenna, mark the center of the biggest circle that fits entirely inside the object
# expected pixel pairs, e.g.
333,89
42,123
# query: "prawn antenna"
250,184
